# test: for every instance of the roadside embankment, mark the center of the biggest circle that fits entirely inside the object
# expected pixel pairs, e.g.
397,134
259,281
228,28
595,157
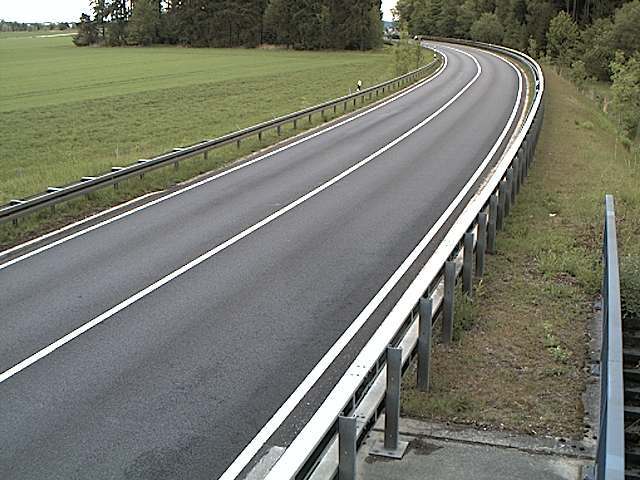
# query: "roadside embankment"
522,363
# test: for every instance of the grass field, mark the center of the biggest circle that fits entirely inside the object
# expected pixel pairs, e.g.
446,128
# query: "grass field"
35,33
521,365
68,112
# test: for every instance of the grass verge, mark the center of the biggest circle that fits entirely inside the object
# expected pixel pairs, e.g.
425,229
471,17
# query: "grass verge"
521,365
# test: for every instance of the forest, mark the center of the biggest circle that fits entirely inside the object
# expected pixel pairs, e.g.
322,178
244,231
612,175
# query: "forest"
584,39
300,24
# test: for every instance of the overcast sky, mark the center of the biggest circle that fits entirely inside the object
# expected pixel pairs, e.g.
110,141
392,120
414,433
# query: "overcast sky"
70,10
387,5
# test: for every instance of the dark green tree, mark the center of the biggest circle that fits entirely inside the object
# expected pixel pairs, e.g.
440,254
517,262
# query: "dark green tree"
144,23
100,10
625,35
598,48
87,32
563,39
487,29
118,18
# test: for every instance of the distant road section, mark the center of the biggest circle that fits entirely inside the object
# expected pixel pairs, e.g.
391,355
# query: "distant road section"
157,345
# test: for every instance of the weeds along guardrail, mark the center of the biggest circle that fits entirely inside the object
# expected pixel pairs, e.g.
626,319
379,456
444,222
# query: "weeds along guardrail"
328,443
610,461
55,195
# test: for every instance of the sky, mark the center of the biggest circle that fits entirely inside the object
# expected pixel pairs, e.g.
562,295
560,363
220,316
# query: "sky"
70,10
387,5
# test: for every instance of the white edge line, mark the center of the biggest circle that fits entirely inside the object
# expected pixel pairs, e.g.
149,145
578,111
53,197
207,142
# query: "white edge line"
41,238
322,419
236,238
197,184
288,406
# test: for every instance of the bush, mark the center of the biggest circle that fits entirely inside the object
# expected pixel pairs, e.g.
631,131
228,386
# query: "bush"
630,287
578,73
563,39
626,91
407,56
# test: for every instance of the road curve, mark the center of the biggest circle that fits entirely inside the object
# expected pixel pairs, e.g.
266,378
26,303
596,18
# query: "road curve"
181,368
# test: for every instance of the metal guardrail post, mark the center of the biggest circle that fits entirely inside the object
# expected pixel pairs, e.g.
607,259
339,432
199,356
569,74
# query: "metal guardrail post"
522,165
467,265
502,200
517,175
392,447
493,227
481,244
392,402
524,169
508,196
425,327
447,305
347,455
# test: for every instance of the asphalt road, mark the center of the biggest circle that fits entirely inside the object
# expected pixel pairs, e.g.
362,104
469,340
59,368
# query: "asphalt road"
176,383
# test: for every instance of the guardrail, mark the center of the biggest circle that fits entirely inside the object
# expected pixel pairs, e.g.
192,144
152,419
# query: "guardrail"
610,462
331,436
55,195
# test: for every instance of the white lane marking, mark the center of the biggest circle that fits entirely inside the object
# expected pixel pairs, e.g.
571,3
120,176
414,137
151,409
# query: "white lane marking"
321,420
223,246
296,397
73,225
204,181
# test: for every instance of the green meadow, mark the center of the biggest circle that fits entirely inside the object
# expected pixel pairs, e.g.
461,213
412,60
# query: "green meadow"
68,112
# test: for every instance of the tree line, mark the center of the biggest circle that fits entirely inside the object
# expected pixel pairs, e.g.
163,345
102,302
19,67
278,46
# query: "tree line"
598,39
300,24
6,26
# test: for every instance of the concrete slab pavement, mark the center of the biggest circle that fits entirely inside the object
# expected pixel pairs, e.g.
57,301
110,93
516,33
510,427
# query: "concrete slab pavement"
474,455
